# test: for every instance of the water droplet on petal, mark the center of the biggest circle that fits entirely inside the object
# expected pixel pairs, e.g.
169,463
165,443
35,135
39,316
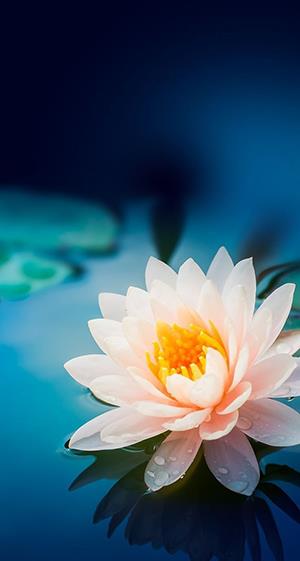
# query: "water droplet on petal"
239,486
150,473
244,423
161,478
159,460
223,470
190,450
172,458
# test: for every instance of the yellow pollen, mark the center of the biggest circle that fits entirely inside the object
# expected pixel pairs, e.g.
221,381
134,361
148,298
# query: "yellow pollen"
182,350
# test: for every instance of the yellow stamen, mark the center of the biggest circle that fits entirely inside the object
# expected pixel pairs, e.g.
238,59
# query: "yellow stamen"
182,350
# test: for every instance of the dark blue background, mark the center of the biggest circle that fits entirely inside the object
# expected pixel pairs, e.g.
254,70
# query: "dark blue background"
197,107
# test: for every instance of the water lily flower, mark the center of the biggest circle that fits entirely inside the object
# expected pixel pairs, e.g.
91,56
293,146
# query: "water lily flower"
190,355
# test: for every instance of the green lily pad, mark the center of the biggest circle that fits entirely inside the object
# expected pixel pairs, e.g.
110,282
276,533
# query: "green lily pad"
54,222
22,274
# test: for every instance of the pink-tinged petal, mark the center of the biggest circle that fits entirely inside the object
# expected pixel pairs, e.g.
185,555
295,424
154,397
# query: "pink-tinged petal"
241,367
157,270
218,425
232,461
242,274
117,390
236,305
151,385
271,422
291,387
210,307
180,387
189,282
287,342
88,437
112,305
269,374
138,304
86,368
131,429
279,303
220,268
121,352
189,421
155,409
259,332
172,459
209,389
102,328
234,399
139,333
231,343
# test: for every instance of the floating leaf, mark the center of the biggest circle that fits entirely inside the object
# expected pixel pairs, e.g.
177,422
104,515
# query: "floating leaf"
22,274
53,222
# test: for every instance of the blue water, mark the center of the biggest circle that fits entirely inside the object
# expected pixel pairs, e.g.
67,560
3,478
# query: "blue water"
41,519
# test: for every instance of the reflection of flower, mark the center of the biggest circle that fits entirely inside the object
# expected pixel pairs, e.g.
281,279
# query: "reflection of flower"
197,517
190,356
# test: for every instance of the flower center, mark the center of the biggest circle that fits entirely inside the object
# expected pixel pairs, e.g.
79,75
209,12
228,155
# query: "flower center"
181,350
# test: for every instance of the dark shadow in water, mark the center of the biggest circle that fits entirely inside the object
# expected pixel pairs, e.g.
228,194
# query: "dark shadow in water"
197,515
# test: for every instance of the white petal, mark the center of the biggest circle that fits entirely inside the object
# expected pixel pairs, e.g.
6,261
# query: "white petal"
287,342
189,421
167,306
271,422
189,282
242,274
210,307
279,303
88,437
117,390
232,461
234,399
291,387
138,304
121,352
180,387
139,333
112,305
133,428
220,268
155,409
172,459
269,374
241,367
86,368
209,389
259,332
150,384
218,426
236,305
103,328
157,270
